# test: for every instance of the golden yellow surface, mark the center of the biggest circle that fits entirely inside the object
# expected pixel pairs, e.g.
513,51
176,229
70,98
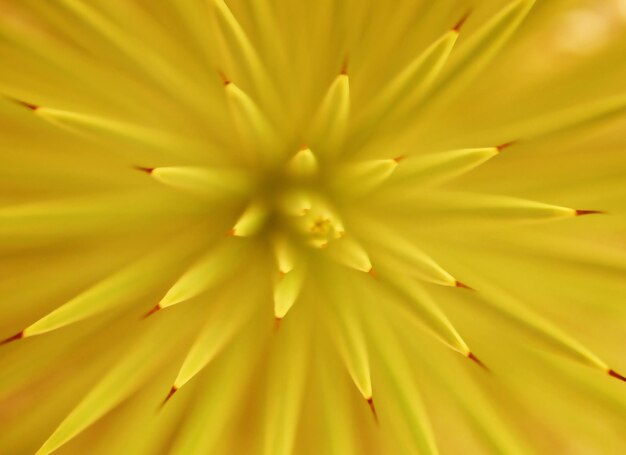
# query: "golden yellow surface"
312,227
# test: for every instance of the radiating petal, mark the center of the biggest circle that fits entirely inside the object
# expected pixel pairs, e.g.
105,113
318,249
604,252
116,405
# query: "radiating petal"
403,405
287,376
360,178
482,47
330,124
244,55
255,129
124,286
410,84
437,168
137,365
287,289
206,181
427,311
396,251
210,270
216,403
349,252
223,324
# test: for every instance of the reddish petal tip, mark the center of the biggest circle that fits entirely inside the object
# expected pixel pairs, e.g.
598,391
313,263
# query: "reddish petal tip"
506,145
344,66
370,402
457,27
399,158
147,170
589,212
476,360
156,308
169,395
17,336
371,272
231,233
224,79
32,107
616,375
461,285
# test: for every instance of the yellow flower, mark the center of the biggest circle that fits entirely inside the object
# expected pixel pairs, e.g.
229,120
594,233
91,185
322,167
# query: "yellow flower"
254,227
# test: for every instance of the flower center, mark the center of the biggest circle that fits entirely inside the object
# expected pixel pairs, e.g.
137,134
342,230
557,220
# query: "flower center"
291,201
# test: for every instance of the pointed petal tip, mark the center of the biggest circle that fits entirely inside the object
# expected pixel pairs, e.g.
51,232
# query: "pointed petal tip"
461,285
154,309
616,375
473,358
32,107
224,79
457,27
344,66
277,321
17,336
147,170
506,145
170,394
370,402
399,158
589,212
371,272
231,233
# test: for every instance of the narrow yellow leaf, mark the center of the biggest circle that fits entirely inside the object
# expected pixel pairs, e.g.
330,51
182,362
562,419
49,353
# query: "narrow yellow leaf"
202,180
334,389
428,312
126,285
348,332
349,252
360,178
542,329
87,125
287,290
255,130
251,221
437,168
572,120
216,266
331,119
231,26
303,164
137,365
526,319
285,253
481,47
407,257
154,66
411,83
245,56
223,325
450,205
91,215
217,400
285,389
403,404
477,408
